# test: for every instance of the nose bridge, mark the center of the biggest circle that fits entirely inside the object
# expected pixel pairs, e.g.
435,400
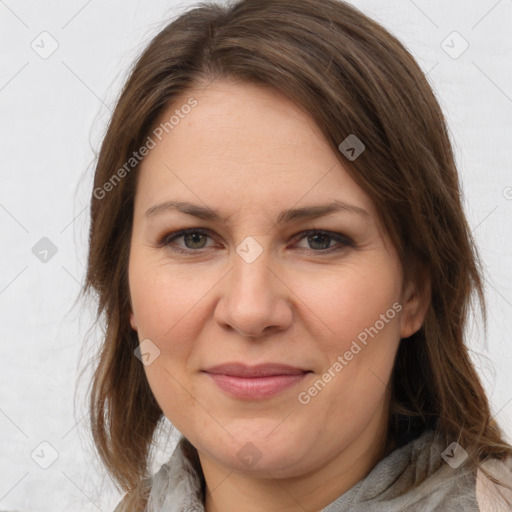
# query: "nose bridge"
253,298
251,279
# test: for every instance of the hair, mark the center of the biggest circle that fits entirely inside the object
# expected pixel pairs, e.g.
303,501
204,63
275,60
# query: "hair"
352,77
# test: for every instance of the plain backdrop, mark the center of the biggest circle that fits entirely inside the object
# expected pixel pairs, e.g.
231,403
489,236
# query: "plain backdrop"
54,108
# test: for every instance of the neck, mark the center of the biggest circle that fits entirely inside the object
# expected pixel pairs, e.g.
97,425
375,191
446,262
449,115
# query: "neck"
228,491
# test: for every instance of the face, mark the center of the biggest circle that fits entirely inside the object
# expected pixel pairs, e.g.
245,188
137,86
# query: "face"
276,320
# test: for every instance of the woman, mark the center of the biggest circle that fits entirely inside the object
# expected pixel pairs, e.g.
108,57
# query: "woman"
281,257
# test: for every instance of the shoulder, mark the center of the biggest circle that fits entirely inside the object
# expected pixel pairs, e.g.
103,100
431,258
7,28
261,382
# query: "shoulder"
490,495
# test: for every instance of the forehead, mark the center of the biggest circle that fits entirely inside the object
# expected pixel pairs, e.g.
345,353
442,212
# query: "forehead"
239,120
242,141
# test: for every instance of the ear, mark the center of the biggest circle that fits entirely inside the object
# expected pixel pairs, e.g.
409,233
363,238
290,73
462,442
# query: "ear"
415,302
133,322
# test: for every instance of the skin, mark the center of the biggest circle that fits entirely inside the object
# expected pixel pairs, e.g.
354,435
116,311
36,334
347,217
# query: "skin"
241,147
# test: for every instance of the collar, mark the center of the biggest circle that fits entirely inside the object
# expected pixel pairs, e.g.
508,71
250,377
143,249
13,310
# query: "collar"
414,477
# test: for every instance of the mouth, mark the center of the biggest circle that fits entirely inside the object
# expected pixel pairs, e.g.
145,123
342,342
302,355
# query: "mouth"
255,382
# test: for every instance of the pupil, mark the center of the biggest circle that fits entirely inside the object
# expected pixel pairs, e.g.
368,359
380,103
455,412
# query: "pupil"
195,239
325,239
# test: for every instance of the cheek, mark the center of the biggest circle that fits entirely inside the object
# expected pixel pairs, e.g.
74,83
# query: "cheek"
352,303
165,303
171,310
360,314
362,310
364,313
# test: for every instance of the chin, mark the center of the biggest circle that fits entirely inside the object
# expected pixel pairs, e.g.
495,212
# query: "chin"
259,454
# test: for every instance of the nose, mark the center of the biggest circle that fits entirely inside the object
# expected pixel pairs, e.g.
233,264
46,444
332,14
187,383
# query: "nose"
255,300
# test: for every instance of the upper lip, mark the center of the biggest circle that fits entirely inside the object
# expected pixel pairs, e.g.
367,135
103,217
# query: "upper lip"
260,370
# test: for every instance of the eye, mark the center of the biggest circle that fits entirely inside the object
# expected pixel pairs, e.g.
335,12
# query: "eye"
320,241
195,239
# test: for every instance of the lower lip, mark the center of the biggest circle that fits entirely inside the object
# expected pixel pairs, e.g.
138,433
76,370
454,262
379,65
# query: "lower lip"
255,387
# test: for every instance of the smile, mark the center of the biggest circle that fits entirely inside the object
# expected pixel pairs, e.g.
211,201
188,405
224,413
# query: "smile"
255,382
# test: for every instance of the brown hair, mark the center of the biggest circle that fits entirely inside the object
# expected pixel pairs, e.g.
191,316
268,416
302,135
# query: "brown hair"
352,77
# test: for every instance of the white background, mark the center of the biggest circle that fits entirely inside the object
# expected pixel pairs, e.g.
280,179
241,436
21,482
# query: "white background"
53,114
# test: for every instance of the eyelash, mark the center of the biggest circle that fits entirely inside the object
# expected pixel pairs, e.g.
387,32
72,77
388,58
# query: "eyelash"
343,240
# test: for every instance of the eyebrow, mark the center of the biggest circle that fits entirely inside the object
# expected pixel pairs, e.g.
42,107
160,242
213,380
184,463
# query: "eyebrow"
307,212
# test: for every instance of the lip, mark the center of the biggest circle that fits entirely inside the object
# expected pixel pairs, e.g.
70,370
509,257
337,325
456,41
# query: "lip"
255,382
